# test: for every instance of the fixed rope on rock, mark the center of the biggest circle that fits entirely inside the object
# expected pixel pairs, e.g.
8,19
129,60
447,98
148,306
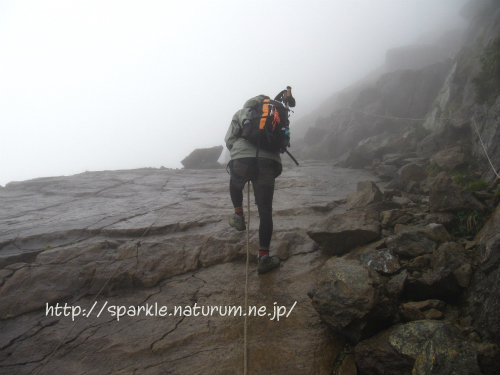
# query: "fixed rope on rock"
245,343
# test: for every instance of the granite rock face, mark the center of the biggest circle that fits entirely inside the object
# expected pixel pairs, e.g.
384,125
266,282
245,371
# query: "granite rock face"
154,238
483,295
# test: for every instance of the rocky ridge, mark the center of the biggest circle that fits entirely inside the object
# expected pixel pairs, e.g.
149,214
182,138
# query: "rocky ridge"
410,285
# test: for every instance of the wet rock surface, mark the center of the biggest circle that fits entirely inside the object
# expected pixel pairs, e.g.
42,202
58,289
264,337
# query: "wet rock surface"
160,238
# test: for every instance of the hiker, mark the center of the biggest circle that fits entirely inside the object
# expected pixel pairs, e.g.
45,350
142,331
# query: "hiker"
251,162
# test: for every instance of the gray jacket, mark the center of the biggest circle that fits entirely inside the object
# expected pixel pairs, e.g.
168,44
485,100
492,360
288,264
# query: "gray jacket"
239,147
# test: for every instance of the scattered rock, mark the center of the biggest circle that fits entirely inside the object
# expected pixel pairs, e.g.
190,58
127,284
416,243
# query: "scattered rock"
338,234
390,218
408,175
450,255
396,284
386,171
448,220
445,196
381,261
348,297
409,339
367,193
419,263
376,356
416,241
449,159
447,352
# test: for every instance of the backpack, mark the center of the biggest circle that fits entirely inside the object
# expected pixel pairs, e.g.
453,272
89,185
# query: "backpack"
269,128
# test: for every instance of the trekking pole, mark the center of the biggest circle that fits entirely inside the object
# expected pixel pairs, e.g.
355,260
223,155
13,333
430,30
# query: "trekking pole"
288,94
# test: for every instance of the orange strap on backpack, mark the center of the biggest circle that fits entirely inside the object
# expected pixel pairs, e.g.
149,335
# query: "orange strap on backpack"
276,119
265,114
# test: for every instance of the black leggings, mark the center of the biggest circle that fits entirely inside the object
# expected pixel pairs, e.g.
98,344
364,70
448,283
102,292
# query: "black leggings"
262,172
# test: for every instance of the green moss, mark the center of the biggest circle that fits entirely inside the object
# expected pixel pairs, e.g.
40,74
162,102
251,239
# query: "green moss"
469,223
487,81
462,177
476,185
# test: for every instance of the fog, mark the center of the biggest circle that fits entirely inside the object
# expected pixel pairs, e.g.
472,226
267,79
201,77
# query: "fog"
105,85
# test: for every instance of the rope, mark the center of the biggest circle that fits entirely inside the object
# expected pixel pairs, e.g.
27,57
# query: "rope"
392,118
105,284
484,147
439,118
399,118
245,350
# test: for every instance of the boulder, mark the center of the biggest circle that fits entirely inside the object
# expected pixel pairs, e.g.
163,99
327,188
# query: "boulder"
447,352
408,175
376,356
419,263
416,241
203,158
448,220
449,159
409,339
390,218
383,262
338,234
351,299
446,196
367,193
396,284
386,171
450,255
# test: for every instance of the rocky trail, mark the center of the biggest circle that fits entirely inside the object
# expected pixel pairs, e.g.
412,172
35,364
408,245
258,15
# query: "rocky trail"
153,238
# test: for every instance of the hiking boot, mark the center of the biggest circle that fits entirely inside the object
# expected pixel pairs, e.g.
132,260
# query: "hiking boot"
237,222
267,263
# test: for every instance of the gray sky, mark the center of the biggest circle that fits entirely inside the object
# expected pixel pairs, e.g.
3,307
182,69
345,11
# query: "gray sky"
96,85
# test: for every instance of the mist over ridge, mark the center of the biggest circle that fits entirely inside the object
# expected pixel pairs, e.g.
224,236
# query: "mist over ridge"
96,86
